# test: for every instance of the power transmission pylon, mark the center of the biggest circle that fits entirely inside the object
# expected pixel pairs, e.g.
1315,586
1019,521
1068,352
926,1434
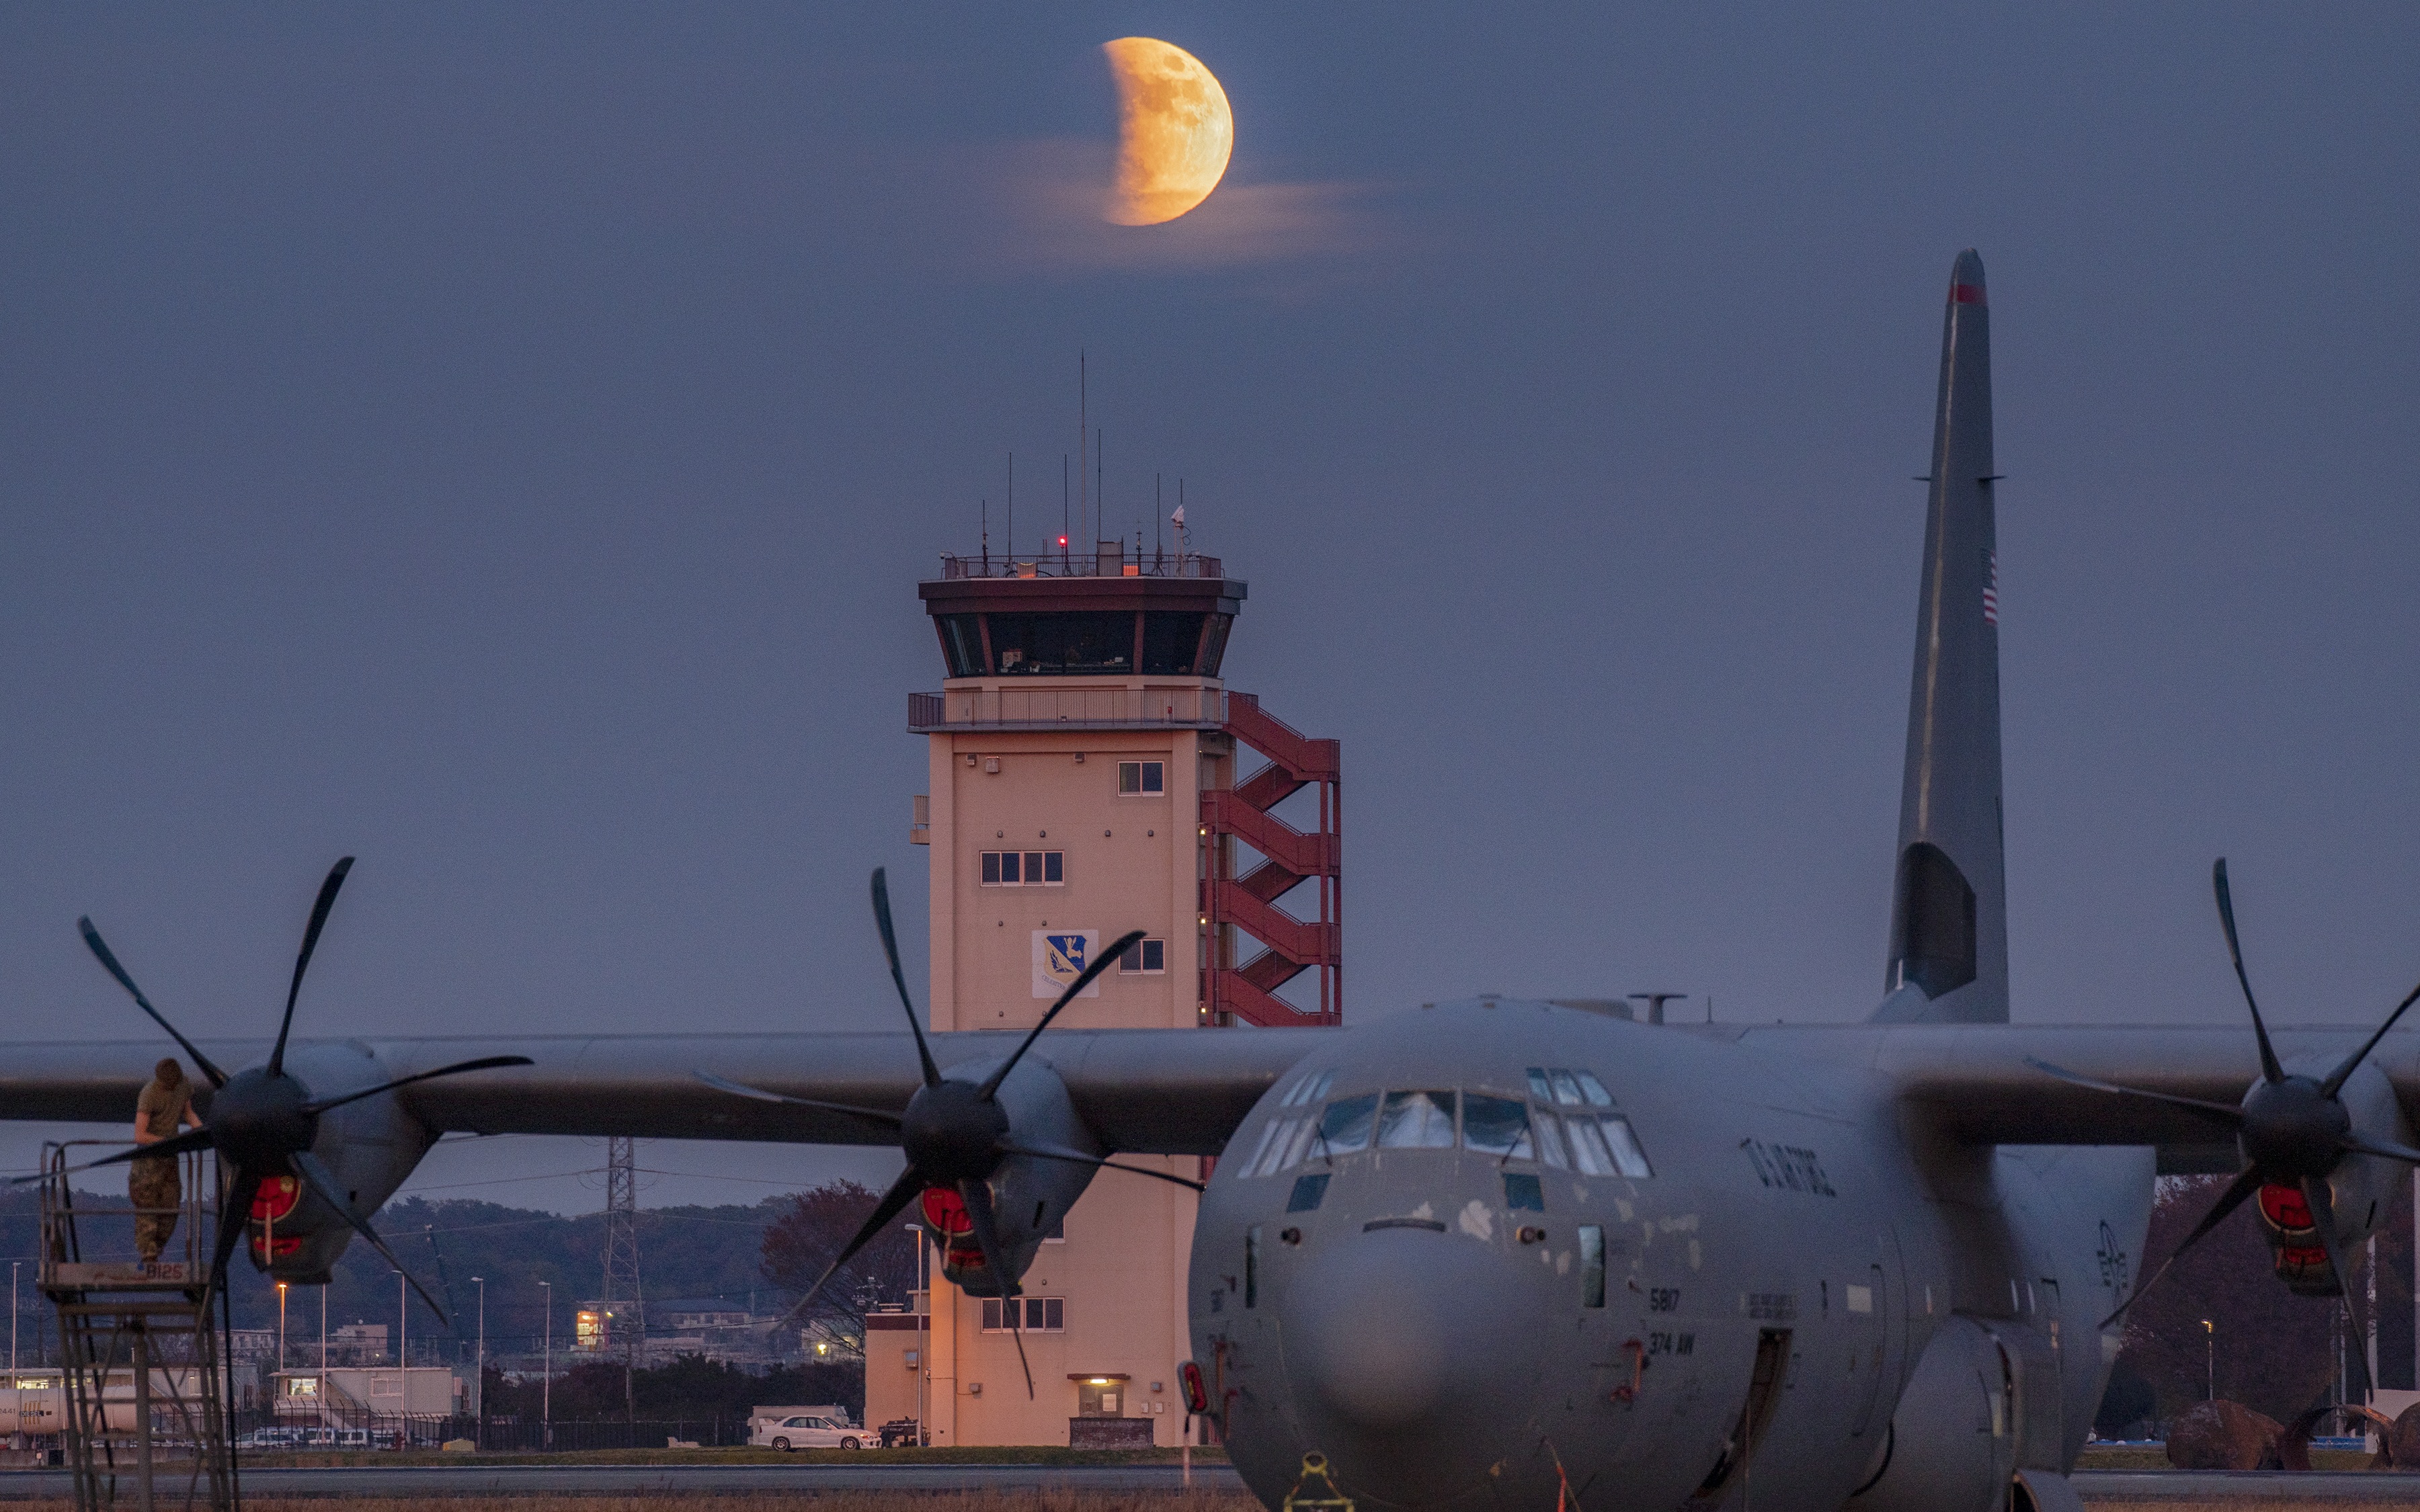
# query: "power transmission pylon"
626,1313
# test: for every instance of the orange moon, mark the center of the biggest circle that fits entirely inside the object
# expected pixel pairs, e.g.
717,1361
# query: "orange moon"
1174,132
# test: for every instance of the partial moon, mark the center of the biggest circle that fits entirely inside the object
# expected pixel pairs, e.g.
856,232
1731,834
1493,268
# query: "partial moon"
1174,132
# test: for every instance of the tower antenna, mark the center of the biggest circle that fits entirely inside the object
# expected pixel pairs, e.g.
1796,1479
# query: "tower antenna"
987,537
1062,514
1156,502
1097,485
1083,422
1008,546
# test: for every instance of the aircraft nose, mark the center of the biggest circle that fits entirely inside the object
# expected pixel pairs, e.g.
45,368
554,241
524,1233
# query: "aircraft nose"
1401,1342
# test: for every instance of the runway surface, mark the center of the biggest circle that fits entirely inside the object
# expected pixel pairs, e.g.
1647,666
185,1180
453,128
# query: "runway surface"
676,1480
475,1479
2250,1485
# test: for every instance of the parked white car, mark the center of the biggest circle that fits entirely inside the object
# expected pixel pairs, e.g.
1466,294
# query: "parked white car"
806,1433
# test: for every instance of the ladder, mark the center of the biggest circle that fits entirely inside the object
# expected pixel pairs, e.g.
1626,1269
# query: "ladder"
145,1425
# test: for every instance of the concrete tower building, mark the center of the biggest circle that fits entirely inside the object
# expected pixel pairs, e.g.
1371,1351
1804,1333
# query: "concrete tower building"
1082,756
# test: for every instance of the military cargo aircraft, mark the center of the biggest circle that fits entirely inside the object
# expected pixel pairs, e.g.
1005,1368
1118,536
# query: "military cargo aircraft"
1502,1252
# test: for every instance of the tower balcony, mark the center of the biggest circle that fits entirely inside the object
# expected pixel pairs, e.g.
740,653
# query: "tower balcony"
1055,706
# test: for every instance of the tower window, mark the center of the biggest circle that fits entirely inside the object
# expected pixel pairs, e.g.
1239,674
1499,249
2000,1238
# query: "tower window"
1024,869
1141,779
1144,958
1043,1315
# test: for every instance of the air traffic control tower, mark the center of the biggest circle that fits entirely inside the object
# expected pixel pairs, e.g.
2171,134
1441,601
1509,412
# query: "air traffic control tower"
1083,755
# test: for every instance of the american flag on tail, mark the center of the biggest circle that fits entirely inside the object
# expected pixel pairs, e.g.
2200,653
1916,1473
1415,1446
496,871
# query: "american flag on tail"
1990,588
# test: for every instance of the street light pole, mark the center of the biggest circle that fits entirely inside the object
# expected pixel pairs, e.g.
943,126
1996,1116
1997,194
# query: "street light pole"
479,1388
281,1328
14,1266
2210,1359
546,1389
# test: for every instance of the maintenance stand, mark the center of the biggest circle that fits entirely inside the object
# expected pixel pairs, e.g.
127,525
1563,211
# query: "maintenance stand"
146,1424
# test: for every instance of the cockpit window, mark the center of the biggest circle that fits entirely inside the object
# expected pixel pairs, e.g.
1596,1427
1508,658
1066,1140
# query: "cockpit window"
1345,1126
1310,1090
1606,1146
1549,1132
1594,1091
1495,1126
1538,1086
1567,1090
1416,1120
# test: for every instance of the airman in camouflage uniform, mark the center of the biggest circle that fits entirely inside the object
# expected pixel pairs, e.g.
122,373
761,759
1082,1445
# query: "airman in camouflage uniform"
151,1181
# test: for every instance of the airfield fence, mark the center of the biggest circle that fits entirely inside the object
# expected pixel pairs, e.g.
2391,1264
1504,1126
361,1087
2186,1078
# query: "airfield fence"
414,1431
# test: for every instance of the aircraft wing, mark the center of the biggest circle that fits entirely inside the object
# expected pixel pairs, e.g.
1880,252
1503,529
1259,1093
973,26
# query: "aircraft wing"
1148,1091
1977,1083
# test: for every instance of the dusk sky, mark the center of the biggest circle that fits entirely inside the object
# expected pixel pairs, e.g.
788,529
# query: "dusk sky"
501,442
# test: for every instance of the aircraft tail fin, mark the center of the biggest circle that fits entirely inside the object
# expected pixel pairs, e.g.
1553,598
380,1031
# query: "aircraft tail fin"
1949,937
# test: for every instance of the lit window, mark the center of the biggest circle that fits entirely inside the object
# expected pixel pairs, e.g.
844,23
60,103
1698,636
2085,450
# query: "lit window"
1141,779
1145,958
1024,869
1416,1120
1043,1315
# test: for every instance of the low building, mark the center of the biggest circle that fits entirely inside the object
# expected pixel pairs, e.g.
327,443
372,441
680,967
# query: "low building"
354,1395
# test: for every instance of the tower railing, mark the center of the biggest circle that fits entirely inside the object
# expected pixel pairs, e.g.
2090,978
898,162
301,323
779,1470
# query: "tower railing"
1068,708
1153,564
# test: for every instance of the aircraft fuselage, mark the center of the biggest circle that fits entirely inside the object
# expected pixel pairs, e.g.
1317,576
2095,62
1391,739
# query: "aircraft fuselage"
1651,1262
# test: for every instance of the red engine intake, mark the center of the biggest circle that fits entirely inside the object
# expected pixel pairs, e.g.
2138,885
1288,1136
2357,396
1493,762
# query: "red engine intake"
2285,1211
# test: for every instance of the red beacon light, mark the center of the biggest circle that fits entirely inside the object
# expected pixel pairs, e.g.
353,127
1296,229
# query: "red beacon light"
1062,543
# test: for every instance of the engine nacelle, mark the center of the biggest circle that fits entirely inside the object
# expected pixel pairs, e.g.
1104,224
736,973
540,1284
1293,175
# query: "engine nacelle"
2361,1188
1029,1194
370,1147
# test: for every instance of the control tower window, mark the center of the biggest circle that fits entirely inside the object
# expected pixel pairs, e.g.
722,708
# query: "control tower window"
1170,640
1141,779
962,644
1037,645
1144,957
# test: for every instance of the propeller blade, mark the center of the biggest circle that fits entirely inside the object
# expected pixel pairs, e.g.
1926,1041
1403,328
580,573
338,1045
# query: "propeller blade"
903,1192
93,941
742,1089
1015,1307
2336,1077
2268,1067
977,1196
2379,1147
899,977
2215,1110
234,1216
1100,963
1076,1157
190,1140
483,1063
2323,1214
302,961
323,1182
2232,1198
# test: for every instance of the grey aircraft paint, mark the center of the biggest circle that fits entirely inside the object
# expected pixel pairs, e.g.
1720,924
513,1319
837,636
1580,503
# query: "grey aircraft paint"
1950,934
1484,1251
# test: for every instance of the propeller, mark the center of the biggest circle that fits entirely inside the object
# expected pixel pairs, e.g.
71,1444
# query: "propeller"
2294,1129
262,1121
955,1132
